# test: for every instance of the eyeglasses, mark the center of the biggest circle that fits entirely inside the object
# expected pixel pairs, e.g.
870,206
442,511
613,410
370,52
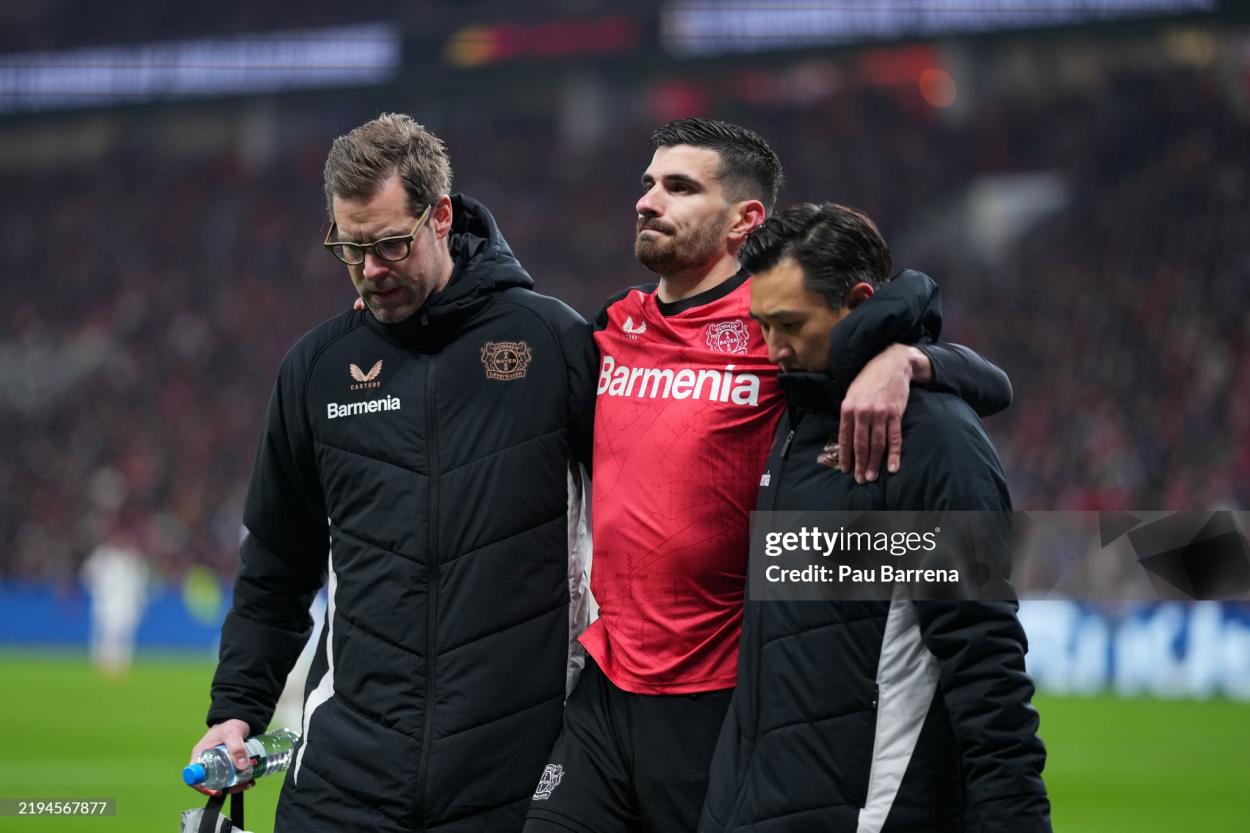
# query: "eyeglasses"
390,249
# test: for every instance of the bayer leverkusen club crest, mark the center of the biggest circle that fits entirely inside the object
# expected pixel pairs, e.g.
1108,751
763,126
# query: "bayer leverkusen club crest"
505,360
728,336
552,775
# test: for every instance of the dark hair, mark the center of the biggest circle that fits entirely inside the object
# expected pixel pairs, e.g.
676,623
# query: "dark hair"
836,246
360,161
749,169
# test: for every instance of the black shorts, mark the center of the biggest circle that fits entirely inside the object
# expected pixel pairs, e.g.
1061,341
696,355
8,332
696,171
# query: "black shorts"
628,763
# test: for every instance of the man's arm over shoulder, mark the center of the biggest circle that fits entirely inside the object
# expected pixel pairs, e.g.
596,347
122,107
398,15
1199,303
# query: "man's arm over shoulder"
886,345
967,374
283,560
979,646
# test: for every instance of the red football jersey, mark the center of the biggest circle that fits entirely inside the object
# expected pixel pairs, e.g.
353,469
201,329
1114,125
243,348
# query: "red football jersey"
686,409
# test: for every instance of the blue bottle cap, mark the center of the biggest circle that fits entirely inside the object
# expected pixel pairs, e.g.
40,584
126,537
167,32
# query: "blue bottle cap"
193,774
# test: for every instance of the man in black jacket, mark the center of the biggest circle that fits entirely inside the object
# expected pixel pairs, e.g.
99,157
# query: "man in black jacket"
878,716
422,456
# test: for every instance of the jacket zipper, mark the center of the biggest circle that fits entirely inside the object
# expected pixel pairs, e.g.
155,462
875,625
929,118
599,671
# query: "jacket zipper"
772,506
431,623
785,449
781,467
744,766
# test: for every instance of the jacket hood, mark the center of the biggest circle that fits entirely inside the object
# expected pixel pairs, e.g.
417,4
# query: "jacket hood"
484,260
906,310
484,266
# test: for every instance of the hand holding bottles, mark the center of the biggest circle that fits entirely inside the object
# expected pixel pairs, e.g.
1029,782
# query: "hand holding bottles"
223,759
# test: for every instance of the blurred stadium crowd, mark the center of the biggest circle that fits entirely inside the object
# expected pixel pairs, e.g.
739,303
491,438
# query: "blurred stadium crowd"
152,292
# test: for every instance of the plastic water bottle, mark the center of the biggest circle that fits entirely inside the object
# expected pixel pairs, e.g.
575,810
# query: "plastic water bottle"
269,753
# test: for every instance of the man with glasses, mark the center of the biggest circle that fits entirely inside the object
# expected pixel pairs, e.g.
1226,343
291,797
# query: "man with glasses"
431,444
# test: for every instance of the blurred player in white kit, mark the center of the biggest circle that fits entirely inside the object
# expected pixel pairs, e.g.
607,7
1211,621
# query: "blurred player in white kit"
116,575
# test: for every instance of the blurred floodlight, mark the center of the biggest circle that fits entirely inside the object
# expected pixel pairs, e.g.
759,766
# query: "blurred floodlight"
356,55
937,87
694,28
484,45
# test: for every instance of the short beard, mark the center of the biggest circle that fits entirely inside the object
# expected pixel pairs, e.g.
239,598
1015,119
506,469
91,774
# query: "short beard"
669,255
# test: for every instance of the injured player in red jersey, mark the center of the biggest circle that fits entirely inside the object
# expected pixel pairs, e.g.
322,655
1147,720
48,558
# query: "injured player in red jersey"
688,403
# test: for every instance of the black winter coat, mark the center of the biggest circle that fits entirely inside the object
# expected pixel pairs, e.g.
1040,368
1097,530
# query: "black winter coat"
428,470
880,717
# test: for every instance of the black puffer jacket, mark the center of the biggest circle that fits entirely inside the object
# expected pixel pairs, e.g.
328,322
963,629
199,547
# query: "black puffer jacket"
880,717
431,462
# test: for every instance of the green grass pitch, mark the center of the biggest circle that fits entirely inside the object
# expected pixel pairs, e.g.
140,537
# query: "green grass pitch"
1115,765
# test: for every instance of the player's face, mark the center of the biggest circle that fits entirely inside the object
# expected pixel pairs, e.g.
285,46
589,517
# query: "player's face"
683,215
392,291
796,321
